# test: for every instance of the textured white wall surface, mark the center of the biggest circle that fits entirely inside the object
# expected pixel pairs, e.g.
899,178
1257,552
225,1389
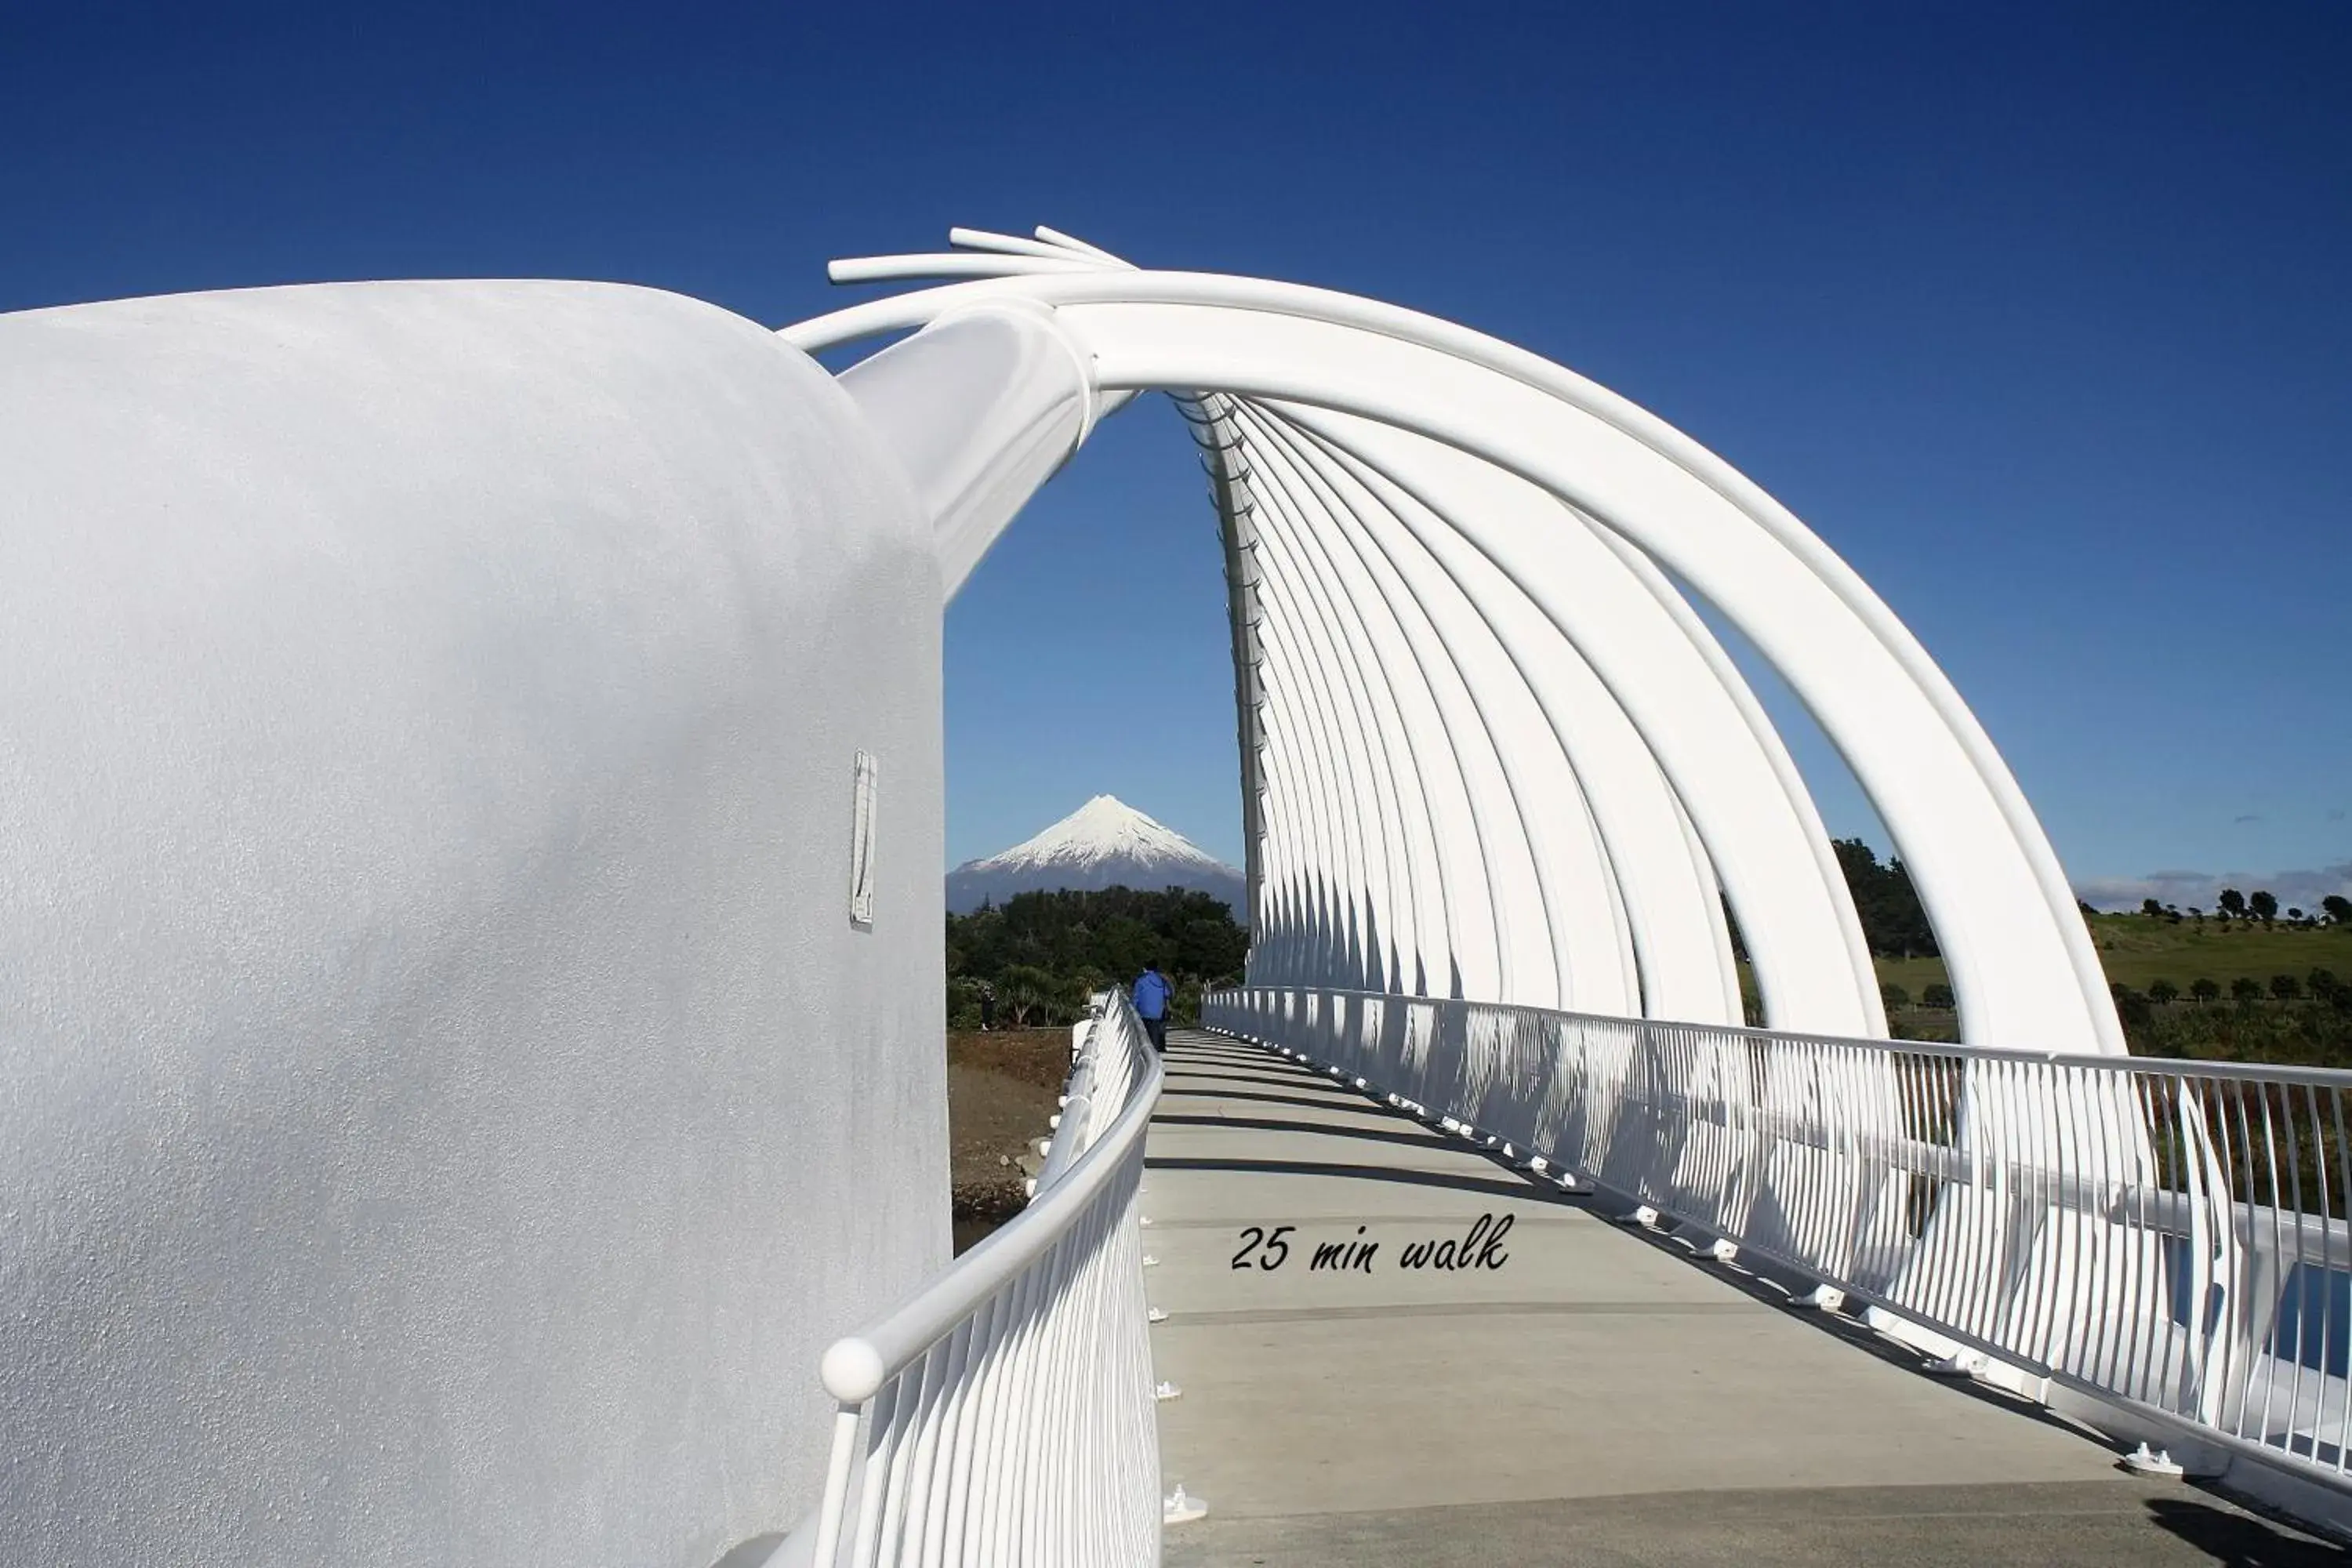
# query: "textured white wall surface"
445,1106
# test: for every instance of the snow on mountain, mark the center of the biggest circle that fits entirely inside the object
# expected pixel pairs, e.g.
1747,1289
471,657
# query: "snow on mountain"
1105,843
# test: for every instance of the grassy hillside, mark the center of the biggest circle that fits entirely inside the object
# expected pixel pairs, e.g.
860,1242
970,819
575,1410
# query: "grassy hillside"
2136,951
2142,955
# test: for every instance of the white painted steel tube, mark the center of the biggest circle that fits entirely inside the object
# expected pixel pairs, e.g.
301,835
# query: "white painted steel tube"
2018,954
1004,1413
1009,244
1576,942
902,268
1312,797
1326,818
855,1366
1670,913
1077,246
1264,365
1229,492
1303,753
1444,922
979,409
1694,717
1335,620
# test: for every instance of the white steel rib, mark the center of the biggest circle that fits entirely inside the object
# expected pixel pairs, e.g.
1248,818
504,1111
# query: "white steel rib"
1494,753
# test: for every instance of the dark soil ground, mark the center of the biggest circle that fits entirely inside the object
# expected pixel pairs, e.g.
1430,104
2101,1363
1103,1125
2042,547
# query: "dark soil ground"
1002,1088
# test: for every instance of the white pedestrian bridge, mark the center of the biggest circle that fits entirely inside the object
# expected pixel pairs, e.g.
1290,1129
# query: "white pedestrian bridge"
469,915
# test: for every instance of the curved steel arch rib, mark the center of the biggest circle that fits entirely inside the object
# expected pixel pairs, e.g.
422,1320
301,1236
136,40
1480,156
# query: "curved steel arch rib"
1572,948
1411,895
1494,737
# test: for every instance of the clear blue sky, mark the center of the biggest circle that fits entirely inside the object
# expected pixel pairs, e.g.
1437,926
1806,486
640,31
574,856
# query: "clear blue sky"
2041,315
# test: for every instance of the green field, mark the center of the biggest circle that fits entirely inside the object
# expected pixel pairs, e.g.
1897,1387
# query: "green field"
2136,951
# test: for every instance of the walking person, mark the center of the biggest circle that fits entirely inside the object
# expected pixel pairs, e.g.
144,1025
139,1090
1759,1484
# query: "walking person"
1153,993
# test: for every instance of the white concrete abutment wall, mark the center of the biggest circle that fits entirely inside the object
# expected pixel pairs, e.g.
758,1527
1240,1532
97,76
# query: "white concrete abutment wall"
441,1085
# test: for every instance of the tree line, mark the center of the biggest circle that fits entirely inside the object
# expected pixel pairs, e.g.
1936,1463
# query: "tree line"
2304,1019
1042,955
1039,956
2231,904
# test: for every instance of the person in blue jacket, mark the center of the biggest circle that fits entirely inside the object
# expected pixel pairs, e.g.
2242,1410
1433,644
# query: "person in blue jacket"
1152,993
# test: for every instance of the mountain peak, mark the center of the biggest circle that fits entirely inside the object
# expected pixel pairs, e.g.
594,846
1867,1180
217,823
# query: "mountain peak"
1105,843
1105,828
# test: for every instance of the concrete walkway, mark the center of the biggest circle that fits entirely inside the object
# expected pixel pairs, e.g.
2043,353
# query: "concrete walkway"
1577,1394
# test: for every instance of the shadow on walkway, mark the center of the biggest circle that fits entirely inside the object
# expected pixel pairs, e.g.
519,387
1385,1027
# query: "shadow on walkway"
2228,1536
1356,1103
1409,1137
1522,1191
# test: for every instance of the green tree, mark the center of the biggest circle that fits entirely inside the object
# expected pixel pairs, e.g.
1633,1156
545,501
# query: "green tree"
1210,948
2332,991
2285,987
2150,908
1083,942
2246,989
2338,908
2163,992
1026,992
1078,990
1123,945
963,1004
1939,995
1893,997
2204,990
2263,907
1894,923
2233,903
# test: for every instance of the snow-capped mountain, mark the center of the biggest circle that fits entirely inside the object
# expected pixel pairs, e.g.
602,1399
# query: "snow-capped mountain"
1105,843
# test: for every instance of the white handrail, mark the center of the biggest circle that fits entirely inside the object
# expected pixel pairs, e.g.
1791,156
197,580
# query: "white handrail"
2166,1237
1005,1414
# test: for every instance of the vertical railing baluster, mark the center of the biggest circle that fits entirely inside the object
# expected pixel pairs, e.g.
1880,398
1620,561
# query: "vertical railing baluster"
2334,1346
2135,1228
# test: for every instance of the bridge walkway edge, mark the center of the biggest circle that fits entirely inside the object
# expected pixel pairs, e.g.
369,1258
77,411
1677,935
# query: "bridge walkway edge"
1568,1390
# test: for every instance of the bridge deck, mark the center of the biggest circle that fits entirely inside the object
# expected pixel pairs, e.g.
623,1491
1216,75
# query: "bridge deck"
1579,1394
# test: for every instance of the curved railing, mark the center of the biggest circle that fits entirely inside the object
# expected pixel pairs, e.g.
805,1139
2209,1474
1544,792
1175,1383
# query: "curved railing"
2168,1239
1006,1414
